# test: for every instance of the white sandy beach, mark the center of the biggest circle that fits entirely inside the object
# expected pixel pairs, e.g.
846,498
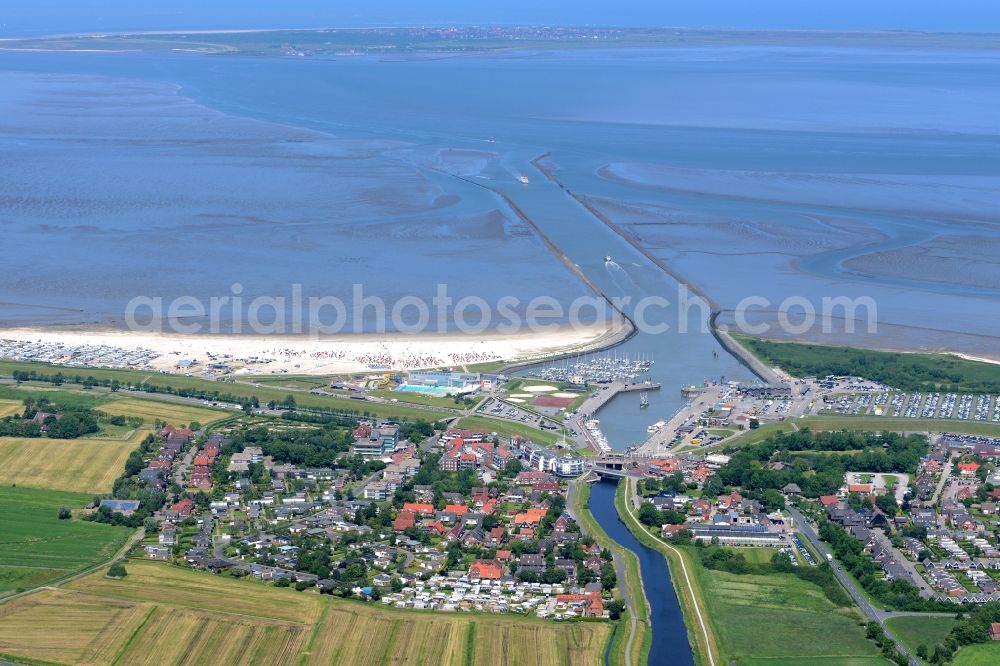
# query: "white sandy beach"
257,354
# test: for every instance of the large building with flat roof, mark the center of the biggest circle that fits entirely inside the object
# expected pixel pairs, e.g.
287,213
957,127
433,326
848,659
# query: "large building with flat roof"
737,535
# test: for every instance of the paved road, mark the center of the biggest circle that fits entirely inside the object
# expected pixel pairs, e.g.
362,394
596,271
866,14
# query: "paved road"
945,475
873,613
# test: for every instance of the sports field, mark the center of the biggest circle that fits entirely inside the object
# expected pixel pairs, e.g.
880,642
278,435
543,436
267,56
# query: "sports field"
165,615
36,547
88,465
173,413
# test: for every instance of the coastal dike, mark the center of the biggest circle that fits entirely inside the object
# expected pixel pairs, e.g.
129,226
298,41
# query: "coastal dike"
725,340
626,332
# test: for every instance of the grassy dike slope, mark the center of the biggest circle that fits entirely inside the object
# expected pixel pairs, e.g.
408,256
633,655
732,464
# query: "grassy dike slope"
242,389
634,650
700,634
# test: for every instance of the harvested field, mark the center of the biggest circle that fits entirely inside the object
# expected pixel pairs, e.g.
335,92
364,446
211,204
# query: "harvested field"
162,584
151,410
169,615
88,465
10,407
67,627
174,636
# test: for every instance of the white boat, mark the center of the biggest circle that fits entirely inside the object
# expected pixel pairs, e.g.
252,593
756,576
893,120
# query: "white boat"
523,179
607,258
656,427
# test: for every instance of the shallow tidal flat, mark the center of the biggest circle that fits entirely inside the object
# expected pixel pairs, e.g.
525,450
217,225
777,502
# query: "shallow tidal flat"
111,188
914,244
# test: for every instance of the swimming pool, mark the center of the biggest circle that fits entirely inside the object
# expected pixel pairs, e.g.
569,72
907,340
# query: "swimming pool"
439,391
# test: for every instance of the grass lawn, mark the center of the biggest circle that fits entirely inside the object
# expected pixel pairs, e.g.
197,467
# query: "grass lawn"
916,630
981,654
510,428
816,661
36,547
87,465
164,614
754,436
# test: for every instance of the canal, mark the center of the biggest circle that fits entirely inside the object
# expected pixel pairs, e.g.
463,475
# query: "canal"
670,640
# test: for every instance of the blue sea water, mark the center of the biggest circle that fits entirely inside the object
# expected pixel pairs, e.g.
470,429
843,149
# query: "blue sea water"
750,171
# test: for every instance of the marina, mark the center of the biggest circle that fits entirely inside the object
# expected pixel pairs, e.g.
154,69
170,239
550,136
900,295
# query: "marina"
597,369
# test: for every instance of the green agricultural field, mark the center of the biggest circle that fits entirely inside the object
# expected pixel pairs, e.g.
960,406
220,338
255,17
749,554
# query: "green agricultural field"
908,372
152,410
779,617
63,396
981,654
921,630
88,465
36,547
510,428
163,614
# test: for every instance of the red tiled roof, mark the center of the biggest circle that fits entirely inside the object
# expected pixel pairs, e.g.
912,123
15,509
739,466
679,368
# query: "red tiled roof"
486,569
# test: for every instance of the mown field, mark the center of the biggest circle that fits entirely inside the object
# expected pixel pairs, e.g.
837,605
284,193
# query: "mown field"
168,615
152,410
778,617
981,654
88,465
36,547
510,428
10,407
915,630
417,398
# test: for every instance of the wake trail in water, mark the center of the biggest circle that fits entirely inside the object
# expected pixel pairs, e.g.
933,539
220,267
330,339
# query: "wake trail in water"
620,276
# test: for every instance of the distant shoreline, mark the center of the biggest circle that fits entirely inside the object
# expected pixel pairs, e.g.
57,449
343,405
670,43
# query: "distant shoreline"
470,40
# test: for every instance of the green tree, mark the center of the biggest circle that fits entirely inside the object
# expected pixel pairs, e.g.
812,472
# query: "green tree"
614,608
117,570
